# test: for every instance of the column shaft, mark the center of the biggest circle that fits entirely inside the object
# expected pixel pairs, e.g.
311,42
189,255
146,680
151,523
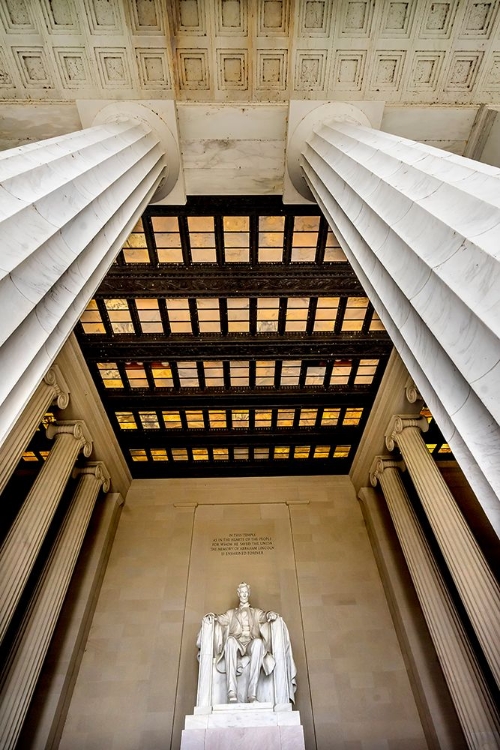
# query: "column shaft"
421,229
28,653
23,543
68,205
51,388
473,578
474,706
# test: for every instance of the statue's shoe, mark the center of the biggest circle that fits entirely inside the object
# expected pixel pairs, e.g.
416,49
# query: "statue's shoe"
252,699
232,697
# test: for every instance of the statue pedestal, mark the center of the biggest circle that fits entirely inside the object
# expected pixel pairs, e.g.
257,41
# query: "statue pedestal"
245,726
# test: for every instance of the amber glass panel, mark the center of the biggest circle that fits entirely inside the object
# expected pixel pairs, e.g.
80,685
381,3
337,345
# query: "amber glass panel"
202,239
220,454
281,451
341,451
236,239
285,417
179,454
330,417
136,375
263,418
326,313
149,315
135,248
267,314
91,319
208,315
217,418
296,314
366,372
110,374
179,315
149,420
119,315
172,420
240,418
195,419
333,251
168,240
214,374
238,311
159,454
321,451
354,314
315,375
260,454
162,374
239,373
271,238
200,454
376,324
301,451
352,416
290,372
307,417
188,375
29,456
340,373
241,454
126,420
264,372
138,454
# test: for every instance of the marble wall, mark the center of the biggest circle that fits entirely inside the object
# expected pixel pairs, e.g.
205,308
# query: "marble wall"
138,675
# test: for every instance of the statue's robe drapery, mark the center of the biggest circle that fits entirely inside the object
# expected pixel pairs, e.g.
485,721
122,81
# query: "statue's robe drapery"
230,624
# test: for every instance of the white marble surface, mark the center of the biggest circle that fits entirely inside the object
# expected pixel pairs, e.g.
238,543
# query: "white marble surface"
68,204
243,715
255,738
421,228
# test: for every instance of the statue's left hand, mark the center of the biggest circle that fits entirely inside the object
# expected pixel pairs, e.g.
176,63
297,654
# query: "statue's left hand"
271,616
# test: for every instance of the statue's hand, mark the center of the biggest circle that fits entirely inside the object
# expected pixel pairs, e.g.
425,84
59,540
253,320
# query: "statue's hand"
209,618
271,616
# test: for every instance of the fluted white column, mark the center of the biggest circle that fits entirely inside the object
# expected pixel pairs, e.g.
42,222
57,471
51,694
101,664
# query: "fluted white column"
421,228
22,544
27,655
67,205
52,388
475,708
473,578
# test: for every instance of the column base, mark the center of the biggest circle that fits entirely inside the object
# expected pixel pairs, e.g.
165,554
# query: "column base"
245,726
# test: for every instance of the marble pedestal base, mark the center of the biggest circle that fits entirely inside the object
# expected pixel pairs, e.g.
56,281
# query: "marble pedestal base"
246,726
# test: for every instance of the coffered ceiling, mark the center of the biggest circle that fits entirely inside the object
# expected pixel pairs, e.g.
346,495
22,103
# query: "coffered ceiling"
415,51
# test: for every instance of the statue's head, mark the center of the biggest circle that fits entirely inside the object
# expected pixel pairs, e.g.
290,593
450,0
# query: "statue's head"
243,591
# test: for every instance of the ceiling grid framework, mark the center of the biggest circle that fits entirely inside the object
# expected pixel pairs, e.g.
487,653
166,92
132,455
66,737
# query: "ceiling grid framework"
413,52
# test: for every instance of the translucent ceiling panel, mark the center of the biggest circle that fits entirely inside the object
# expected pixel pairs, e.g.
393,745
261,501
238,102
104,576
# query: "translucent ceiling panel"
271,229
167,238
238,314
267,314
202,239
236,239
305,239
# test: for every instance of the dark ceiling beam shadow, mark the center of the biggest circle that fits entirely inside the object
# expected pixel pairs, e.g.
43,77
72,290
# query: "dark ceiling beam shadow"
207,469
331,399
128,347
263,280
238,205
236,438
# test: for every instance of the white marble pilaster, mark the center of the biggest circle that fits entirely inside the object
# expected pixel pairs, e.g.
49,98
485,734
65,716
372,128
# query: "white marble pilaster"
23,542
474,705
67,205
52,388
473,578
421,228
28,653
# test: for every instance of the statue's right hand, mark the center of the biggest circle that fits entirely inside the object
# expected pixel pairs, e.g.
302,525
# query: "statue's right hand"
209,618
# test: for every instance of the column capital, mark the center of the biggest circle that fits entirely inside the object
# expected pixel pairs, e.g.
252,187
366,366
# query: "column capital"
97,469
77,428
160,118
305,121
400,422
411,391
55,379
380,464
